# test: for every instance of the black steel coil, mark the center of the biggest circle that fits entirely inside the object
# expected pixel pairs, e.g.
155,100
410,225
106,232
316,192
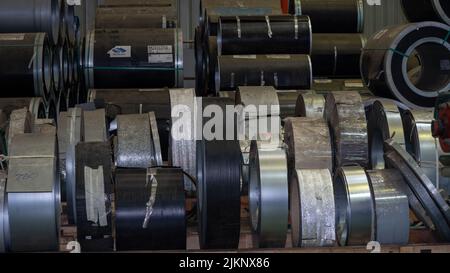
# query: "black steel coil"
211,63
137,3
274,34
427,10
200,62
150,209
136,17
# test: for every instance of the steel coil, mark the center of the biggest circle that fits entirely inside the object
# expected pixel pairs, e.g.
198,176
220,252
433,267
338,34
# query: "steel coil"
95,126
391,225
385,59
255,98
288,100
280,71
94,195
426,10
218,194
211,64
31,16
136,17
310,105
27,67
3,211
312,208
70,24
20,122
51,108
137,3
355,212
384,122
329,16
33,194
268,195
148,58
35,105
346,117
150,209
200,63
280,34
137,143
309,144
337,55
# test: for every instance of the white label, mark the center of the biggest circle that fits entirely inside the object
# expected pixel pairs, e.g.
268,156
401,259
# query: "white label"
73,2
160,58
120,52
244,56
280,56
357,84
159,49
322,81
12,37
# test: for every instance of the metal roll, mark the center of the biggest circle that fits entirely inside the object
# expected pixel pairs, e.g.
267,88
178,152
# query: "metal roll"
218,194
312,208
346,117
51,108
182,150
310,105
31,16
421,187
211,64
269,195
70,23
35,105
309,144
33,194
385,59
337,55
26,69
329,16
288,100
150,209
94,195
256,98
137,143
3,212
280,34
200,63
384,122
426,10
280,71
95,126
20,122
70,133
391,226
134,58
355,212
137,3
136,17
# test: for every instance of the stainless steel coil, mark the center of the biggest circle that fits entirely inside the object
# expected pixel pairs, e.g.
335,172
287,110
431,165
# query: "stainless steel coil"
310,105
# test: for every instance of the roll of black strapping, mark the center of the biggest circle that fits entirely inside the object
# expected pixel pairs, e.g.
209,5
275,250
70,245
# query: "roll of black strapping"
150,209
331,16
134,58
336,55
94,192
136,17
26,66
218,193
280,71
280,34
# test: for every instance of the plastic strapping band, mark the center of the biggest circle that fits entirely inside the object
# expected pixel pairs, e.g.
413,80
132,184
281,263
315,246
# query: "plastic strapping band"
238,22
133,68
390,49
31,60
151,201
269,29
296,27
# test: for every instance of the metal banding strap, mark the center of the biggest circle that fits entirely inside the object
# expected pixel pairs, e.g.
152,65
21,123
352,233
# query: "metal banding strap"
296,28
355,213
33,194
95,126
310,105
150,209
384,122
155,137
309,144
94,193
312,208
298,7
20,122
269,28
421,186
135,147
3,212
182,149
346,117
269,195
360,20
218,194
238,24
391,206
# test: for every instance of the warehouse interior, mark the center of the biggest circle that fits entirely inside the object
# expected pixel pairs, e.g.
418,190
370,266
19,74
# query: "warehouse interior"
230,126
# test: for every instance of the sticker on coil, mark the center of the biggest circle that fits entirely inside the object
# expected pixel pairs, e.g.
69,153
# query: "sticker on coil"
12,37
244,56
159,49
160,58
120,52
279,56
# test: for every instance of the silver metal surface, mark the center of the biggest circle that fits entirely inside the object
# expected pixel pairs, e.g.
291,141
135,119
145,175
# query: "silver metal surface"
42,67
261,96
179,63
2,210
268,194
95,126
355,213
443,14
391,206
310,105
346,117
312,208
33,194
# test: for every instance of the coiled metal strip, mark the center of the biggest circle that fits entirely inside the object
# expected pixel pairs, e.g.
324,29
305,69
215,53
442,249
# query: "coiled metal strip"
355,213
391,206
346,117
136,137
2,211
33,194
95,126
20,122
310,105
260,96
309,144
269,194
312,208
182,151
384,122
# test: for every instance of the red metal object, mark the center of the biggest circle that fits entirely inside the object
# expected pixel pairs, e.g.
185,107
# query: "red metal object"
441,126
285,6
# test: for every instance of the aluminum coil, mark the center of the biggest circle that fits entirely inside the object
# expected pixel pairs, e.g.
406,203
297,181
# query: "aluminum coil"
310,105
312,208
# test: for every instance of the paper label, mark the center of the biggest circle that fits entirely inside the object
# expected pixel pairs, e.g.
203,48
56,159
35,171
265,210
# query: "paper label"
12,37
159,49
120,52
244,56
279,56
160,58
